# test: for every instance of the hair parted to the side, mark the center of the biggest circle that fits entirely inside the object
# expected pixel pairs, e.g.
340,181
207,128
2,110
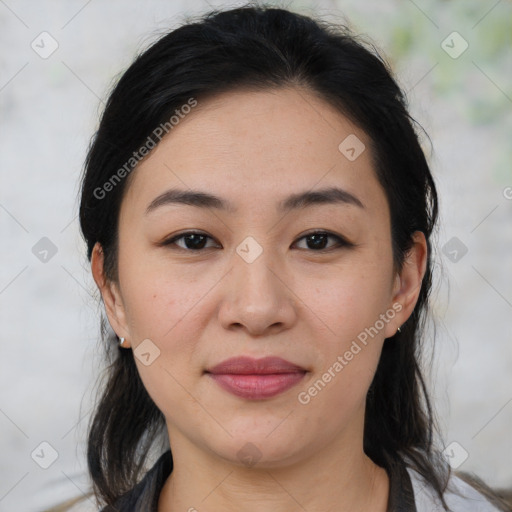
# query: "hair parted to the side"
260,47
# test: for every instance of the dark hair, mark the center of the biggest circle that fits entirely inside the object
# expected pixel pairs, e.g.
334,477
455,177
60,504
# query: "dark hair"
259,48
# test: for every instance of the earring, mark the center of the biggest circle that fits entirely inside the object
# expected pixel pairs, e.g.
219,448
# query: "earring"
399,330
121,342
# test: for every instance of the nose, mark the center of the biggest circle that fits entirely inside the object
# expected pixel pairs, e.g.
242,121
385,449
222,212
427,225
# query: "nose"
257,297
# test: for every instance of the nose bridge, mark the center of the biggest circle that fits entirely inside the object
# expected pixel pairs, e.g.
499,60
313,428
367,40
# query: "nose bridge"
255,270
258,297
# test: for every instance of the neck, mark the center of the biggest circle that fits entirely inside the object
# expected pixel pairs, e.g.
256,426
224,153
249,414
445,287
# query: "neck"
348,481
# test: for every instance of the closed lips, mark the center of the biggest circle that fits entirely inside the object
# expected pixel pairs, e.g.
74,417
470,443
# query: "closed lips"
250,366
256,379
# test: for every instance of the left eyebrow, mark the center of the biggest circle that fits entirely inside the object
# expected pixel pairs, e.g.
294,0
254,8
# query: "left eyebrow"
200,199
332,195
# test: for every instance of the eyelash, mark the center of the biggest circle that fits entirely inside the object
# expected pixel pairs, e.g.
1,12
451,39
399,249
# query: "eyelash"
341,242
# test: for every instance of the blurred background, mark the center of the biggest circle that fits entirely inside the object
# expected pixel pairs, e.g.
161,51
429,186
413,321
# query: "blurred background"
58,61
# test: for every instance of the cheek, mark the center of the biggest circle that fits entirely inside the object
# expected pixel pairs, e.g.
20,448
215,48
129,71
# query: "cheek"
351,297
170,311
170,307
346,306
161,299
349,345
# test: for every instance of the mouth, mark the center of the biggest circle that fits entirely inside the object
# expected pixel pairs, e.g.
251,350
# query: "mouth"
256,379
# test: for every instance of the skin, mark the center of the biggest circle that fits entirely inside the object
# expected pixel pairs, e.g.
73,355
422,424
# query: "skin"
293,301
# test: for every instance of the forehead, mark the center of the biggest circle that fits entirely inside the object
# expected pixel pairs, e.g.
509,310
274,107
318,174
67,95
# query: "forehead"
258,146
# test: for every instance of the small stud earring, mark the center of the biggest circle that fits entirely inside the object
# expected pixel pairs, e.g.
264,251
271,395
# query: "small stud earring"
399,330
121,342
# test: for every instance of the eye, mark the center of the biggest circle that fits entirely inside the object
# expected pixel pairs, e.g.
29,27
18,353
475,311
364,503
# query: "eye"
317,241
192,240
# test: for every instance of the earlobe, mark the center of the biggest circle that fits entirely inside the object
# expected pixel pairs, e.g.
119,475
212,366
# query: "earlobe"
408,283
110,294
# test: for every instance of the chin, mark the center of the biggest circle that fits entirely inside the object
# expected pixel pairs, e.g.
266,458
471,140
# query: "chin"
260,450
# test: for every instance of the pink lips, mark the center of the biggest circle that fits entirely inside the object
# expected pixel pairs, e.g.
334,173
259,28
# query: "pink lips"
256,378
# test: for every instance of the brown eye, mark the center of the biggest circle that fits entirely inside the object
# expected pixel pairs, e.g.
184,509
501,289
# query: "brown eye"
318,240
192,241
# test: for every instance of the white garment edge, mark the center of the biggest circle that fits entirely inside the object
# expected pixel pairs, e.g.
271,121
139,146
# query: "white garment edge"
459,496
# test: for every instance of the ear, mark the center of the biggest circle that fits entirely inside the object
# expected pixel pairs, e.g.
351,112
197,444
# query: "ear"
111,296
408,282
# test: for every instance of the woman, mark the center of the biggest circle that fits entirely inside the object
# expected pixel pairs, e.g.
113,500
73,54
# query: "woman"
258,213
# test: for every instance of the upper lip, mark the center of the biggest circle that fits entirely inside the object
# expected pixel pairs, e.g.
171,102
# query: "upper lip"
250,366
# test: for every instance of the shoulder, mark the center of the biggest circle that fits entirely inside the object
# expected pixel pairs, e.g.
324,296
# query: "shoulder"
459,496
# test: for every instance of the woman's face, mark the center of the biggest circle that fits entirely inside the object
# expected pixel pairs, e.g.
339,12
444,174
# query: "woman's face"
254,283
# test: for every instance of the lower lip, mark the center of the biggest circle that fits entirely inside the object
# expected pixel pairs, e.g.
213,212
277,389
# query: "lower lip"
256,387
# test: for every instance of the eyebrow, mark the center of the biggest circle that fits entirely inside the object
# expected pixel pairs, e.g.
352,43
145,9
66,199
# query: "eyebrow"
331,195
